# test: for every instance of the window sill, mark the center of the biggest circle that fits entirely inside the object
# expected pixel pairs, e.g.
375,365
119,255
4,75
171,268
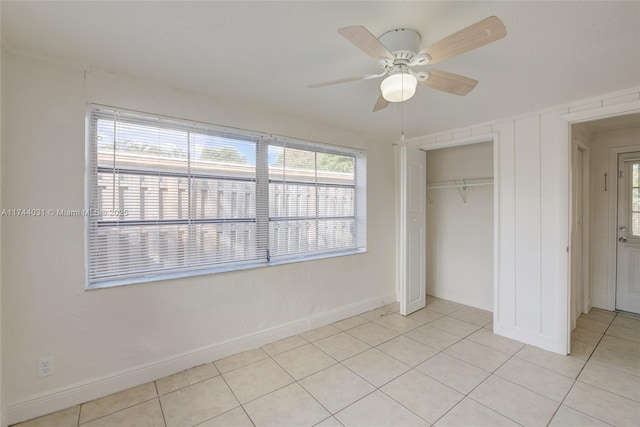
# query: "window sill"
217,270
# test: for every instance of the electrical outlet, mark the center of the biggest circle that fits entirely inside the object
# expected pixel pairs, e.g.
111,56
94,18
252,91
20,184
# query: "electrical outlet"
45,366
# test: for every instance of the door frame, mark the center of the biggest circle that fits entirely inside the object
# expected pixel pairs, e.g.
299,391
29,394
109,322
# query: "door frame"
492,137
585,262
597,113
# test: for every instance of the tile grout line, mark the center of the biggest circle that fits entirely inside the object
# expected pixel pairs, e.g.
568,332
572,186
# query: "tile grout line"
226,412
243,366
574,409
306,341
609,391
596,347
435,379
618,371
79,411
347,358
534,391
376,388
478,385
544,367
575,381
479,327
164,419
404,406
493,410
434,355
297,381
279,388
237,399
538,393
118,411
443,351
247,414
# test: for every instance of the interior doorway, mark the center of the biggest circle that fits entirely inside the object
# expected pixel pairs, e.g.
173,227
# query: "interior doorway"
605,252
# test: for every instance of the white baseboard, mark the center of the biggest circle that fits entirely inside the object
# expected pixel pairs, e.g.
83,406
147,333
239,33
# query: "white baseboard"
464,298
74,394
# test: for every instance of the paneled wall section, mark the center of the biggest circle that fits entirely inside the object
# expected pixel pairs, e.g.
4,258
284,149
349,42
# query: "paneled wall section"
532,207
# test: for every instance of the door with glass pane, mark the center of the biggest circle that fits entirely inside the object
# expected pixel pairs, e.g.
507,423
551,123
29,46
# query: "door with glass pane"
628,247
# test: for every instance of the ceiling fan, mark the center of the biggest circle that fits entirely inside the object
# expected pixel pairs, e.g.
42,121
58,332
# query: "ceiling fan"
398,51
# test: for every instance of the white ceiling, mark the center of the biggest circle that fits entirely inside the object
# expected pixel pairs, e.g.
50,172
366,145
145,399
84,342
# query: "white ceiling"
265,53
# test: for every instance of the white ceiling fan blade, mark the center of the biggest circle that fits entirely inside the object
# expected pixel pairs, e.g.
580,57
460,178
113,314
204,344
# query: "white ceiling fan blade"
474,36
335,82
361,38
380,104
449,82
346,80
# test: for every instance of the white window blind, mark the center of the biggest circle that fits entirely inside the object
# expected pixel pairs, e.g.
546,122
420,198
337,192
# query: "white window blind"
171,198
315,205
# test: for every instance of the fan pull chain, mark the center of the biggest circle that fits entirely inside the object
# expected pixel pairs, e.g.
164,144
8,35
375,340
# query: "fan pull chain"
402,114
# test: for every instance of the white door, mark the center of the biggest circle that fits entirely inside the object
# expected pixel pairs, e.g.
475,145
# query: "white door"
628,250
412,260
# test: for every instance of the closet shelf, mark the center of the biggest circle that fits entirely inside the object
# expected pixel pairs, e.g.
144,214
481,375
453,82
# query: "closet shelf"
460,184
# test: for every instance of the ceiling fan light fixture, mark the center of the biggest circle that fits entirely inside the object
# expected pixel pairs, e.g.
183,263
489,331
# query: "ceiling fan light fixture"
398,87
398,51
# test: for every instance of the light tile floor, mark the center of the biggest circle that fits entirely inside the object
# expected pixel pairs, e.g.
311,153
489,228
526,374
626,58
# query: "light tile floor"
440,366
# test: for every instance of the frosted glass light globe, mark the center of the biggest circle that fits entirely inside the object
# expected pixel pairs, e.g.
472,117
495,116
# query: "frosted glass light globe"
398,87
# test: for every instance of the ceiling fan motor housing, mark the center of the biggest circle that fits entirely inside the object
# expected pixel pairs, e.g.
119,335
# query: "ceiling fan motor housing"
401,39
405,45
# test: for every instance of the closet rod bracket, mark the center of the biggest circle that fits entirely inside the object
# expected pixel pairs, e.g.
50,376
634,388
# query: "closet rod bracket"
462,189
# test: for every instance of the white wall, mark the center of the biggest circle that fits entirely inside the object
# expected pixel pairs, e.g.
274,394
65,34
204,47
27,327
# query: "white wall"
459,234
531,289
111,339
603,252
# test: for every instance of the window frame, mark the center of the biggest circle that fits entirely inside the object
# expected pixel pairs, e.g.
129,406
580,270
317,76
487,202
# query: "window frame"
263,219
629,199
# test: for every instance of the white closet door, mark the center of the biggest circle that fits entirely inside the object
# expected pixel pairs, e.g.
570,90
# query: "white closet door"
412,258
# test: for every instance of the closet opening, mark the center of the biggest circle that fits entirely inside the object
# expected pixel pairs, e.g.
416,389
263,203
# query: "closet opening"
460,224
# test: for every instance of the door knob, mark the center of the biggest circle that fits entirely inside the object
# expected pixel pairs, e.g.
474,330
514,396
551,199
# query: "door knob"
622,239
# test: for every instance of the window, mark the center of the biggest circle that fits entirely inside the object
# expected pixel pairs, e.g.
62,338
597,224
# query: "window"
171,198
634,204
313,201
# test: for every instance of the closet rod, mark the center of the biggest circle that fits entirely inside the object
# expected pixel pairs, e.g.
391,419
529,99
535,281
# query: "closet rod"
461,183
